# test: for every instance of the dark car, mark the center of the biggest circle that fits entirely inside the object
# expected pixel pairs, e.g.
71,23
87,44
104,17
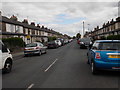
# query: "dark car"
85,42
104,54
52,44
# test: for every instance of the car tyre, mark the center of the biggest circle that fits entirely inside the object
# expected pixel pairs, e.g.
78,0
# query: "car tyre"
93,68
7,67
45,51
25,55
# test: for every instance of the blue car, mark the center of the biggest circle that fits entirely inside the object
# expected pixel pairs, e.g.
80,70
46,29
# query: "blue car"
104,54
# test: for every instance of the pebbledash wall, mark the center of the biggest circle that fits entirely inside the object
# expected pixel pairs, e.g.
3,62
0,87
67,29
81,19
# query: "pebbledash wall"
28,32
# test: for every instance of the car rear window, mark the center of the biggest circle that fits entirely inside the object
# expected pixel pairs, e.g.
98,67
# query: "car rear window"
110,46
85,40
107,46
31,45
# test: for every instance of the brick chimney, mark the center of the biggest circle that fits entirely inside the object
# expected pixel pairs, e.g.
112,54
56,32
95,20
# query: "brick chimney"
25,21
97,27
14,18
42,26
94,29
33,23
112,21
38,25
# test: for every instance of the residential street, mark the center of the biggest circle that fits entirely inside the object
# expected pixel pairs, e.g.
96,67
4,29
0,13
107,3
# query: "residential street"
64,67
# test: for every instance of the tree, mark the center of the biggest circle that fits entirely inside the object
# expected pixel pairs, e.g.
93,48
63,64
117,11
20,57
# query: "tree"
78,35
74,37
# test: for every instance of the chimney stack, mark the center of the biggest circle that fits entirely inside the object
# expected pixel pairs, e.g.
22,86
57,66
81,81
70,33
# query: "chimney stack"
14,18
33,23
25,21
38,25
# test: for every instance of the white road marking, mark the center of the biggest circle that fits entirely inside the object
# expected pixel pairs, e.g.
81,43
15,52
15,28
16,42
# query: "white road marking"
50,66
30,86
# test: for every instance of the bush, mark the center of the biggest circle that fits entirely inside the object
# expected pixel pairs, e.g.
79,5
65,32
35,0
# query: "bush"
13,43
113,37
51,39
103,38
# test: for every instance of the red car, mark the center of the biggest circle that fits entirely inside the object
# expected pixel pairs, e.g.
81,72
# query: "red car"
78,41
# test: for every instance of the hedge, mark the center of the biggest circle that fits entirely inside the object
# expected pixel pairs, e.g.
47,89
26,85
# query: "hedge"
113,37
14,42
51,39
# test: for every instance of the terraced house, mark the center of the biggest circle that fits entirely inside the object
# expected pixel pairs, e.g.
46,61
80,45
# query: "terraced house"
110,28
11,27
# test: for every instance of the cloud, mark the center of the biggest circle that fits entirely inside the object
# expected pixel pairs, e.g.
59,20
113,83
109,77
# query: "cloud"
64,17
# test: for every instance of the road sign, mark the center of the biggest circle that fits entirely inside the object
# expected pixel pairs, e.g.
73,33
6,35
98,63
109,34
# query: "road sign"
28,37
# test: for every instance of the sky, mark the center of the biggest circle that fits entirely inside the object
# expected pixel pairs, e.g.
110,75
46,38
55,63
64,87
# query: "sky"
63,16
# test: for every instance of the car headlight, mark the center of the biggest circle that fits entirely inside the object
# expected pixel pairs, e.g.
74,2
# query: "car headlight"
90,42
81,42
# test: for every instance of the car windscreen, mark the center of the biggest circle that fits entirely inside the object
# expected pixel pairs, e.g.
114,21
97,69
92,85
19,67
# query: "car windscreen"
109,46
31,45
52,42
85,40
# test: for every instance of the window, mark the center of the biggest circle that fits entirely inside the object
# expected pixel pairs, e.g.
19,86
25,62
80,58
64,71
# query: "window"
31,45
110,46
41,44
95,46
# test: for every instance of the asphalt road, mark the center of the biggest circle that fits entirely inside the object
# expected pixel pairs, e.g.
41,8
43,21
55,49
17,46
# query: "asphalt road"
64,67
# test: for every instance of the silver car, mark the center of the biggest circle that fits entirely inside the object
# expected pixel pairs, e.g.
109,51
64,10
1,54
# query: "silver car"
34,48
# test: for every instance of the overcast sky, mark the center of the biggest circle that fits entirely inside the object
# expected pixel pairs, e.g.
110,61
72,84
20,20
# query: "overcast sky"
65,17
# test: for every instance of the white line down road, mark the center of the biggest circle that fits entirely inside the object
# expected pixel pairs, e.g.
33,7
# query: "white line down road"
30,87
50,65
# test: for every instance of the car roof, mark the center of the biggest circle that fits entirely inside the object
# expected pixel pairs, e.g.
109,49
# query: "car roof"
107,41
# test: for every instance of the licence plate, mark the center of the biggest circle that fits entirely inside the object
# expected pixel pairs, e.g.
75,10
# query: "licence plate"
114,56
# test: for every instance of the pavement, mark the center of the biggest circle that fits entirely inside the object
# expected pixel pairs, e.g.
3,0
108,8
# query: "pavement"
64,67
18,55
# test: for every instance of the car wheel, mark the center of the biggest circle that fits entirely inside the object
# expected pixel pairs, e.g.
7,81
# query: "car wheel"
88,62
25,55
7,67
93,68
45,51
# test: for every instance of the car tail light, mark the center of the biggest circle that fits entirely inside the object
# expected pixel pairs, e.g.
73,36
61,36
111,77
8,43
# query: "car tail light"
97,56
25,49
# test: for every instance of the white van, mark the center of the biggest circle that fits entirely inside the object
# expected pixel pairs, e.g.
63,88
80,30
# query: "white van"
6,59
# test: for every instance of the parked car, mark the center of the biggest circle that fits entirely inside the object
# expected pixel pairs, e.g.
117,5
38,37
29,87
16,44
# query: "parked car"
58,42
85,42
70,40
61,40
53,44
66,41
78,41
104,54
34,48
5,58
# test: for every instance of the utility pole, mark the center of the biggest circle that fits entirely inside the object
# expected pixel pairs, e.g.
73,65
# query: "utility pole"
88,28
118,9
83,28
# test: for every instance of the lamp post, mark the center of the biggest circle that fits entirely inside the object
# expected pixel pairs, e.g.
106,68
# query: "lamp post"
83,28
88,27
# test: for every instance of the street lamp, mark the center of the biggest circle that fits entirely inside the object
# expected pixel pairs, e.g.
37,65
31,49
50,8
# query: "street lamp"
88,27
83,28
